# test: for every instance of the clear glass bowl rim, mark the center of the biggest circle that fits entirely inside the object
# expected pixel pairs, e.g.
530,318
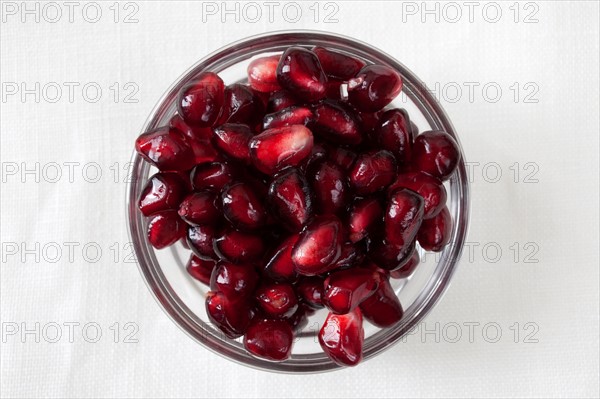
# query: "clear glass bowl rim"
183,317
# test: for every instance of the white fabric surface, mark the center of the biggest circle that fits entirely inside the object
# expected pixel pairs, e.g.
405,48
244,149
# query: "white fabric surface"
558,213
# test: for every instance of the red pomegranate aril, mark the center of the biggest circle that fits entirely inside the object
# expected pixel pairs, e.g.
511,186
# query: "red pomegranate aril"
336,124
236,282
165,228
344,290
238,247
310,290
409,267
342,157
334,89
317,154
200,240
231,317
262,74
204,151
242,105
200,101
337,65
277,300
369,121
166,148
233,139
290,199
374,87
383,308
163,191
269,339
434,233
342,336
414,131
199,208
279,100
193,132
365,214
403,217
294,115
393,134
435,153
280,266
391,257
212,176
372,172
330,187
242,207
200,269
299,71
431,189
275,149
319,246
350,255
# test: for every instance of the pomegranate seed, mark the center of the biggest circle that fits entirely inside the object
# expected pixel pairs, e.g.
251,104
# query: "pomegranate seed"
200,269
391,257
201,100
350,256
414,131
409,267
242,105
290,198
166,148
200,240
275,149
236,282
203,151
199,208
435,233
317,154
300,72
344,290
364,215
238,247
383,308
336,124
242,207
280,100
373,171
393,134
280,267
294,115
435,153
334,89
232,139
342,157
262,74
310,290
403,217
337,65
374,87
269,339
165,228
431,189
162,192
369,121
319,246
231,317
277,300
342,336
212,176
195,133
330,187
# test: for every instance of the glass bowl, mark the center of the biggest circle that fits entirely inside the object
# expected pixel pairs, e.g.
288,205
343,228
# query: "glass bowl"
182,297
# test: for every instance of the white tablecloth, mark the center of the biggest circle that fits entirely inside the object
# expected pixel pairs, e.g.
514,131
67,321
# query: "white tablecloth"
521,86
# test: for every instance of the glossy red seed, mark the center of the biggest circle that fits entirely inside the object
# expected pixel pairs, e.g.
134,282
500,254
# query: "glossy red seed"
262,74
334,89
435,233
269,339
166,148
330,187
403,217
369,121
200,240
365,214
290,199
275,149
336,124
280,266
277,300
163,191
242,105
431,189
342,336
231,317
236,282
204,152
338,65
435,153
212,176
200,269
409,267
373,171
238,247
199,208
350,256
280,100
310,290
165,228
233,139
200,101
193,132
393,134
414,131
342,157
319,246
344,290
317,154
383,308
295,115
300,72
391,257
374,87
242,207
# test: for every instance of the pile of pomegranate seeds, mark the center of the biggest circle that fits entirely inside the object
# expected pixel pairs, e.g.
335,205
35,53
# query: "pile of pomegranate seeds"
293,198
